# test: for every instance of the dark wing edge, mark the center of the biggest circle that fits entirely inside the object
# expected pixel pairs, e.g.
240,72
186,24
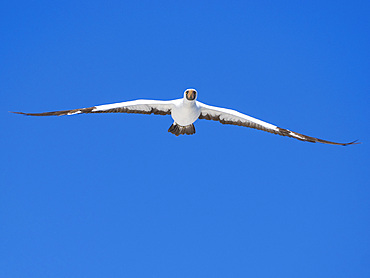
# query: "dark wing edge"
134,108
306,138
58,113
276,130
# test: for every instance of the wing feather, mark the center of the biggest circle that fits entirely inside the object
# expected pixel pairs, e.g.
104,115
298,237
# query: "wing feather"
141,106
232,117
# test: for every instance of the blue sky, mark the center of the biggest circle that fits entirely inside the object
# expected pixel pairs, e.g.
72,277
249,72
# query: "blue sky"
118,196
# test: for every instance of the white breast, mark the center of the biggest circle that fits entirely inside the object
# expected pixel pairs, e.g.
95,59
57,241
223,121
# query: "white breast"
185,113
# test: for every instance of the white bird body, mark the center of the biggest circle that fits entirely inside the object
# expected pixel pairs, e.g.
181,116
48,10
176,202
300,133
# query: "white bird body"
185,111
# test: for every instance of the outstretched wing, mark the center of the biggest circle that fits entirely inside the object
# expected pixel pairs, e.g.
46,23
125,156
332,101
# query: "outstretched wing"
232,117
141,106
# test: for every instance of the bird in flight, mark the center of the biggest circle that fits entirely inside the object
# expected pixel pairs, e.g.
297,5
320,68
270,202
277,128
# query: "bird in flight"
185,111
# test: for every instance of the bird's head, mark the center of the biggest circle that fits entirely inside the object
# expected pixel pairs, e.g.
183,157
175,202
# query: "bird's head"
190,94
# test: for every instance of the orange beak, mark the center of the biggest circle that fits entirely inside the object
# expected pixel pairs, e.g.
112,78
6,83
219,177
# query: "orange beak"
191,95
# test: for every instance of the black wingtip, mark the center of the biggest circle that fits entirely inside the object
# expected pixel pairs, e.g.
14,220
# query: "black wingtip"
21,113
352,143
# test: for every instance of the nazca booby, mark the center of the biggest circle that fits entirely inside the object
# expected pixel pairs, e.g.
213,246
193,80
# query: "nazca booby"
185,111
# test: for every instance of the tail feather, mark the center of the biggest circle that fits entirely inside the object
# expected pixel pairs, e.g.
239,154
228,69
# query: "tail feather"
178,129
